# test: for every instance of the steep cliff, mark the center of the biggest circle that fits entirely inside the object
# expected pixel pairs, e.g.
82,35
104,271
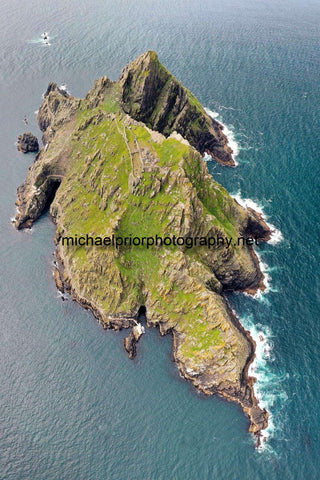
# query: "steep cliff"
106,173
154,96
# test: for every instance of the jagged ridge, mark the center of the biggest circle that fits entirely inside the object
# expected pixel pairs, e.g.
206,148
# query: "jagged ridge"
154,96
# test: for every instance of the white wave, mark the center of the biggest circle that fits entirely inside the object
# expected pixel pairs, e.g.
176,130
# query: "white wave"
229,132
267,388
64,88
261,295
62,296
247,202
226,108
276,235
265,269
206,157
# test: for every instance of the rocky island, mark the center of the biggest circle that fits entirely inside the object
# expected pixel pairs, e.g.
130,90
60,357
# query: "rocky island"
27,143
127,160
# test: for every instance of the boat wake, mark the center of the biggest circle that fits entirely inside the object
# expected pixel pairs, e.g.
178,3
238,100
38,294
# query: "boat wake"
43,39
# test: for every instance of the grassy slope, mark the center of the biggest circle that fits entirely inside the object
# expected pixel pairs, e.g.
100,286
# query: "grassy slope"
120,279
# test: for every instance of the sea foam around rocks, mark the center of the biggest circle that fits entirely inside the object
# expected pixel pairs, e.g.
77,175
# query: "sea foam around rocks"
228,130
268,387
276,236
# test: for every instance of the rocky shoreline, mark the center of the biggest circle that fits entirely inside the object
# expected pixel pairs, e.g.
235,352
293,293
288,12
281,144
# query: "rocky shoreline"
64,285
245,398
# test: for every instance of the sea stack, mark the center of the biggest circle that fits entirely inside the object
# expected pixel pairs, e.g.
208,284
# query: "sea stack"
28,143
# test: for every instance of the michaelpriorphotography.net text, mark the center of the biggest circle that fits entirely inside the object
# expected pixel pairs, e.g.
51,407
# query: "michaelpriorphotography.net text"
189,242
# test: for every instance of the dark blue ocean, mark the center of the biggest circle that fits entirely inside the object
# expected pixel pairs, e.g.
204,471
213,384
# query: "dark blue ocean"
72,405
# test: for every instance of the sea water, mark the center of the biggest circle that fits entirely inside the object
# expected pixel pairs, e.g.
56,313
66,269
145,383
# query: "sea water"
73,406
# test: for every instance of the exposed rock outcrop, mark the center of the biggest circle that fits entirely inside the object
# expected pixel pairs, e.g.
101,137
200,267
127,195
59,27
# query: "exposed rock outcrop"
153,95
257,226
27,142
130,342
104,173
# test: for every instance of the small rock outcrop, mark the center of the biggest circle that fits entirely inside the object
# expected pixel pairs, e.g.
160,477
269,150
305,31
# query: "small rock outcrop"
130,342
257,226
28,143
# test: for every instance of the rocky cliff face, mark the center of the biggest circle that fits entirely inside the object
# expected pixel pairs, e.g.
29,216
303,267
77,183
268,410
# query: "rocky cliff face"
106,173
154,96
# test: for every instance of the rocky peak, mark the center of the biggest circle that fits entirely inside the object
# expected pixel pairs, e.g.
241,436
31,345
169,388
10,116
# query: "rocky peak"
97,93
53,87
141,82
151,94
58,107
